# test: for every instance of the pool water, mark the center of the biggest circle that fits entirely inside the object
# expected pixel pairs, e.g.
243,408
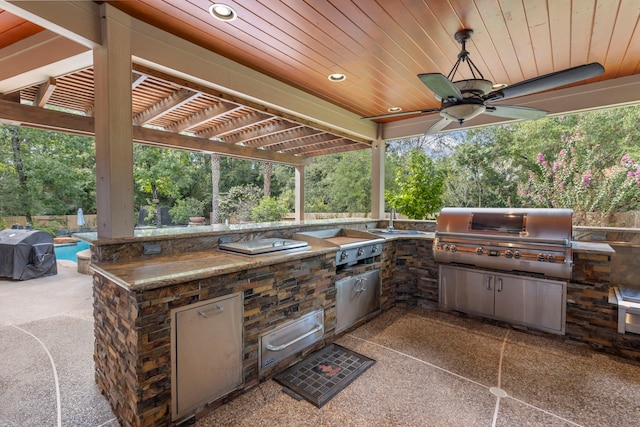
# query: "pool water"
68,252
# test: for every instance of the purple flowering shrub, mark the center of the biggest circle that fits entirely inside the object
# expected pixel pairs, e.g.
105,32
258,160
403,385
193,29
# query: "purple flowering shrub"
583,180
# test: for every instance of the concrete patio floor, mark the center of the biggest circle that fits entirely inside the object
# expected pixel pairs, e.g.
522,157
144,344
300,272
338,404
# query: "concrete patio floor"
432,369
46,356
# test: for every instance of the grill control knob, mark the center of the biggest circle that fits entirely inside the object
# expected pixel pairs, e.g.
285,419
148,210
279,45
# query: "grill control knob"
374,249
453,248
508,253
360,251
517,254
541,257
479,250
343,255
551,258
446,247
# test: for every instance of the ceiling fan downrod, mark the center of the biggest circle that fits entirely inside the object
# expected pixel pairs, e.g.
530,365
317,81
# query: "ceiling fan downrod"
462,37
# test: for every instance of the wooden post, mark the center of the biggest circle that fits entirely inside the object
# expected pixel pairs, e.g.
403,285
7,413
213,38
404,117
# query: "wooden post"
377,179
113,126
299,189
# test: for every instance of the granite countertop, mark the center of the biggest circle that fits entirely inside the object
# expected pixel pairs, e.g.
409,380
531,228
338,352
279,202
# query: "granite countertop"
592,247
153,272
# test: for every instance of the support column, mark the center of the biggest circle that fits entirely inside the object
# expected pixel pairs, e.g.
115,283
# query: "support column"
113,126
299,190
377,179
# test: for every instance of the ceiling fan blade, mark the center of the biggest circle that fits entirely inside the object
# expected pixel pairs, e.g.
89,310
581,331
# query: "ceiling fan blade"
438,126
514,112
548,81
402,113
440,85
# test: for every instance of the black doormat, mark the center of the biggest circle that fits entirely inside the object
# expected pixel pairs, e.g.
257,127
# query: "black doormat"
324,374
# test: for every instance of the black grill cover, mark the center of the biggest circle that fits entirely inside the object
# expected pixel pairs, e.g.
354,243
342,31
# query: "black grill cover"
26,254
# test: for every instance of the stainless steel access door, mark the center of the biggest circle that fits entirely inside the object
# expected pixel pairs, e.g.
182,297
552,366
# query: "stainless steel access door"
356,297
206,352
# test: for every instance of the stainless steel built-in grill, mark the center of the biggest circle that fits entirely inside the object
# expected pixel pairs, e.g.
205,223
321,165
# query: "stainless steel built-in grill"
528,240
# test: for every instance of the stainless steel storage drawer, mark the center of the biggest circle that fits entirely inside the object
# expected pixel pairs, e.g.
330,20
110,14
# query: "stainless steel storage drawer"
289,338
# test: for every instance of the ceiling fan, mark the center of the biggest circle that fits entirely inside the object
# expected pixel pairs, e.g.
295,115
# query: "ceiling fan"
463,100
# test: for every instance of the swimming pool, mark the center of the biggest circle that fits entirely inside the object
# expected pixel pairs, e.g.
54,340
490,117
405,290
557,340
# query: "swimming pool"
68,251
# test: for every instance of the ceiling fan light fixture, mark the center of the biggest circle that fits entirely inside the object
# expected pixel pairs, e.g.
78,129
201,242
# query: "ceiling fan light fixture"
222,12
337,77
498,86
462,112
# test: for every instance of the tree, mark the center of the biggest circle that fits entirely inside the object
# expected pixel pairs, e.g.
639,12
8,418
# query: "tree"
239,202
215,188
339,183
420,187
185,209
269,209
45,172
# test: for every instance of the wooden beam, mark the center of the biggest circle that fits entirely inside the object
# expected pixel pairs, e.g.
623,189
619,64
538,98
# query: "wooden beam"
137,79
164,106
44,92
322,126
233,125
264,135
41,118
46,119
173,140
203,116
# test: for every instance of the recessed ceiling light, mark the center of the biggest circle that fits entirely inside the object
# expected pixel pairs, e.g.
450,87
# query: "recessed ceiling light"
222,12
394,109
499,86
337,77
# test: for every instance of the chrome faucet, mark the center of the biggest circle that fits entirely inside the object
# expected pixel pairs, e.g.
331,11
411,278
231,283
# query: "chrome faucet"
392,215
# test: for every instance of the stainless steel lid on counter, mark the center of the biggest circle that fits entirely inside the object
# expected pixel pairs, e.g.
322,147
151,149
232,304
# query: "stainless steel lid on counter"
264,246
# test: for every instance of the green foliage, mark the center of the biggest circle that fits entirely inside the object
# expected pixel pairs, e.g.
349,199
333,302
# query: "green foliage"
420,187
186,208
58,172
268,210
339,183
51,229
239,202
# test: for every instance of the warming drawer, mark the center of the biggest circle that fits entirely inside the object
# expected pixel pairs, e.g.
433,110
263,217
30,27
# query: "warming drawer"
290,338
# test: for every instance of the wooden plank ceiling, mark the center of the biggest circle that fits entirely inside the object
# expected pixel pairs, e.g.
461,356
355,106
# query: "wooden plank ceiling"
382,45
379,45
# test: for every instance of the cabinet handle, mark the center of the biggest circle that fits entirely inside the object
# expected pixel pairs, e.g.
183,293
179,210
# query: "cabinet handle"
499,284
360,282
489,283
216,310
317,327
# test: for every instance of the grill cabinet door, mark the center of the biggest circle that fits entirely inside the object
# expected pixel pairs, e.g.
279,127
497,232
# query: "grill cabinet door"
467,290
207,352
356,297
535,302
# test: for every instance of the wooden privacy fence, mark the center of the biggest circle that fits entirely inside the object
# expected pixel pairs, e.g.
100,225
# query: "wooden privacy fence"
55,222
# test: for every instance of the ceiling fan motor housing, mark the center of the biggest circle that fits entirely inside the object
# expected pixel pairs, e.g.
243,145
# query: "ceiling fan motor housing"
460,111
